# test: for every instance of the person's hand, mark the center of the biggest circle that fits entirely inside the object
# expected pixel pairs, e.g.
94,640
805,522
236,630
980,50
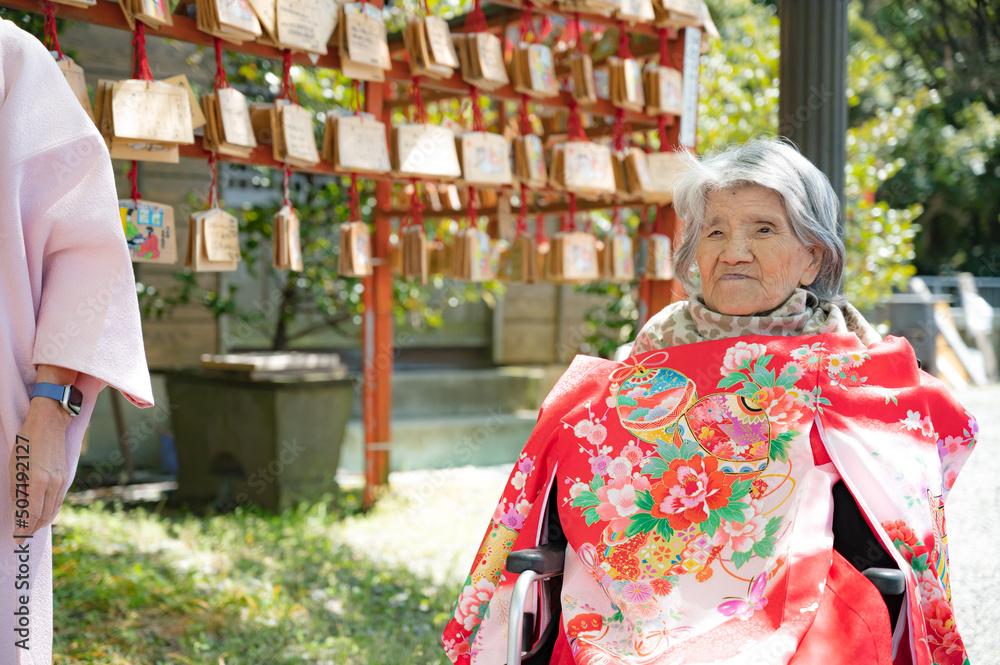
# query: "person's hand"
37,462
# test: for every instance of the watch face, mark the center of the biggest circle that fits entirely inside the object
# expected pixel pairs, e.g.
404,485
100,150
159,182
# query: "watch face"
75,398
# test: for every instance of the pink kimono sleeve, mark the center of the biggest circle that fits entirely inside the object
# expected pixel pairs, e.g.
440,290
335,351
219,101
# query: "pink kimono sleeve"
87,311
67,263
900,438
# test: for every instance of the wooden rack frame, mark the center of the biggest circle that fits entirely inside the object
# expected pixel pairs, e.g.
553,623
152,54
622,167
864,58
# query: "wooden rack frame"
377,323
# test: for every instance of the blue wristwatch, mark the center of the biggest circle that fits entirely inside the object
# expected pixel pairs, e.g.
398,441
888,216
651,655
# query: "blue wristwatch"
69,396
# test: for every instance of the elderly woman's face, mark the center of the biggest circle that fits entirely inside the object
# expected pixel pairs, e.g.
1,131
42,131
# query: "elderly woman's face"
749,257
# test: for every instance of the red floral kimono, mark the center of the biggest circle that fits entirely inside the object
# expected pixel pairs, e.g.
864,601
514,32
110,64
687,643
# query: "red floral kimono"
698,515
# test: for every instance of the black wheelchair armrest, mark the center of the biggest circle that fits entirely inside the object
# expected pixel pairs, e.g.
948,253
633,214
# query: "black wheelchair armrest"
888,581
546,560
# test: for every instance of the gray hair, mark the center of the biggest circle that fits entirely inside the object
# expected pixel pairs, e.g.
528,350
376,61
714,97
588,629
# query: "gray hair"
810,203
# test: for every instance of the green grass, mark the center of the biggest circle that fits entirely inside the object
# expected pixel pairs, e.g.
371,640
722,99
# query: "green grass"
140,585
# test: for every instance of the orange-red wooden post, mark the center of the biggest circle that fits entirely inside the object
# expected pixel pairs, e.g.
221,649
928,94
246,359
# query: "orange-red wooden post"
376,329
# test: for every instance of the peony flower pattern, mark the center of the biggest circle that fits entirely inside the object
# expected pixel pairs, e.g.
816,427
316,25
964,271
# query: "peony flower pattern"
689,490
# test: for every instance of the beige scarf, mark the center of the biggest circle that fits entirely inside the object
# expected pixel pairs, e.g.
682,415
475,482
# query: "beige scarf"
690,321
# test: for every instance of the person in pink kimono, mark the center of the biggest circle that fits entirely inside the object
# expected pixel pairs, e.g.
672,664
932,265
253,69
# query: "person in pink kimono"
69,319
695,481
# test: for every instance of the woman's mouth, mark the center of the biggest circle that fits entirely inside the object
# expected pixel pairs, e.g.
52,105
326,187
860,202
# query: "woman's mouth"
734,277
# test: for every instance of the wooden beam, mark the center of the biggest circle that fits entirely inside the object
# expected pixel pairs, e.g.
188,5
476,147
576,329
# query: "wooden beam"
185,29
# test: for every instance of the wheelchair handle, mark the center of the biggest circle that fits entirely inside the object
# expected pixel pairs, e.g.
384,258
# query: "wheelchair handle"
888,581
531,565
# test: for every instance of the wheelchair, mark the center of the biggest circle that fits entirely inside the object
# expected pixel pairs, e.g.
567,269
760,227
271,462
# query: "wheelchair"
852,538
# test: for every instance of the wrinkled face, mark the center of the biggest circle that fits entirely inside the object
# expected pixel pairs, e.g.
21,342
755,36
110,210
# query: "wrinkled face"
749,257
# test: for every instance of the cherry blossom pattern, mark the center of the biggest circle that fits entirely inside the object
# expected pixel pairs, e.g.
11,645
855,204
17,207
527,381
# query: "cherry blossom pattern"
914,422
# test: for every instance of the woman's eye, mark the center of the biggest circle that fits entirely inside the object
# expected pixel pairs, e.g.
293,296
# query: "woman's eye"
714,233
765,229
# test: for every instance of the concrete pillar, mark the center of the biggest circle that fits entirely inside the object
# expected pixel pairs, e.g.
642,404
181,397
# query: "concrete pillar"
813,87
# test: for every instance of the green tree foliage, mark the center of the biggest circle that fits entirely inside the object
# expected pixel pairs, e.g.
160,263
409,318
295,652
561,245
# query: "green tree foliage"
946,65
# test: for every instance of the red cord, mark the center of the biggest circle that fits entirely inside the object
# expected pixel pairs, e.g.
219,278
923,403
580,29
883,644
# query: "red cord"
618,130
286,173
471,210
574,129
579,34
477,112
357,96
664,51
287,86
221,81
475,21
522,216
213,196
525,118
418,100
417,205
133,176
355,198
572,212
140,66
616,220
623,50
51,32
528,24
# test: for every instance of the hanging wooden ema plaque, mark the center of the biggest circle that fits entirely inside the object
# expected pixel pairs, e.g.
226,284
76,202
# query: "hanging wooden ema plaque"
149,231
659,262
355,250
480,53
430,47
231,20
414,239
529,155
485,159
213,241
617,261
573,258
663,85
144,120
519,261
419,149
625,81
287,240
364,45
356,142
301,25
72,72
583,167
355,241
664,169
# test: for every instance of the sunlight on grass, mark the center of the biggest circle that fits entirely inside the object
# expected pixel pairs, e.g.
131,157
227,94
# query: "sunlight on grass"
247,588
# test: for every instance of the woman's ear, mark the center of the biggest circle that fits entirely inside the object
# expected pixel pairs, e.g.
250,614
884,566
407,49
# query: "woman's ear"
815,263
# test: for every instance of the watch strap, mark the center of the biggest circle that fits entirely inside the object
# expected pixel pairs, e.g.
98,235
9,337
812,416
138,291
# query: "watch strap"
68,396
50,390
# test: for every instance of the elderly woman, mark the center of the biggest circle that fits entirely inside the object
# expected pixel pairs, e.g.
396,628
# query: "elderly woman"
694,481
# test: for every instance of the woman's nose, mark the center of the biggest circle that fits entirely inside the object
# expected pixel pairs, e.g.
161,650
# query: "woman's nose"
736,251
